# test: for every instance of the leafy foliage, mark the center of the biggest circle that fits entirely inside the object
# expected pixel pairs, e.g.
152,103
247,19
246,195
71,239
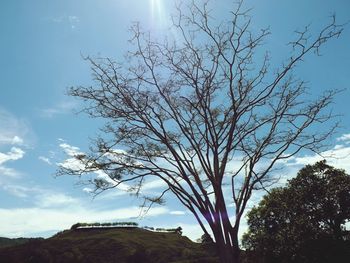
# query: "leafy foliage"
116,224
206,239
304,221
177,230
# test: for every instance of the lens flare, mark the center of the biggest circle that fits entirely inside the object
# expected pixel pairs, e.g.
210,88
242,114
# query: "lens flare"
157,12
161,18
156,6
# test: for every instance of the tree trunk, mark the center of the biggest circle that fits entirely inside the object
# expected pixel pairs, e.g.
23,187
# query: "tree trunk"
228,254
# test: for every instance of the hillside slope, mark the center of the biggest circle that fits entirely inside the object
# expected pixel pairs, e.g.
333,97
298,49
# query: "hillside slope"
121,245
9,242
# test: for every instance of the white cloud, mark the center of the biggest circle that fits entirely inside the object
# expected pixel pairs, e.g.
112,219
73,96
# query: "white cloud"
177,213
119,186
9,172
192,231
10,139
71,20
17,140
88,190
71,163
338,156
57,19
70,150
13,130
17,222
338,146
15,135
155,184
50,200
45,160
41,197
17,190
61,108
21,191
13,155
344,137
110,194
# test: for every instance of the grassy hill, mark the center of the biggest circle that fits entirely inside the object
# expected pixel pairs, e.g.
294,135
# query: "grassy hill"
9,242
129,245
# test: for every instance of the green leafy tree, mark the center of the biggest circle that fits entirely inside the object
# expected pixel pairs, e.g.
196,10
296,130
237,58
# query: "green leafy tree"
304,221
178,230
182,110
205,239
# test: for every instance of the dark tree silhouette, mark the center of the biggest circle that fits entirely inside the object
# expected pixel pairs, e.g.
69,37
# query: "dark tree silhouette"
304,221
202,113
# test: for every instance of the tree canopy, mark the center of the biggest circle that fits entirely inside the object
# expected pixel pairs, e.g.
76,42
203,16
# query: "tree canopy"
305,220
205,113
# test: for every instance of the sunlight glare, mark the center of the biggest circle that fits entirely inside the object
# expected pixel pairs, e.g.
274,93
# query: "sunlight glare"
157,12
156,6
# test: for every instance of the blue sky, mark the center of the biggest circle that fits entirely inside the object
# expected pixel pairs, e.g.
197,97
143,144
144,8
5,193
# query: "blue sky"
41,48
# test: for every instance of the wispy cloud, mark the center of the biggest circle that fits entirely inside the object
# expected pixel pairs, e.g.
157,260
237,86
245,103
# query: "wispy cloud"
46,205
13,130
39,196
12,144
344,138
71,162
18,191
177,213
14,154
338,156
71,20
61,108
9,172
31,221
88,190
155,184
120,188
70,150
48,199
10,139
45,160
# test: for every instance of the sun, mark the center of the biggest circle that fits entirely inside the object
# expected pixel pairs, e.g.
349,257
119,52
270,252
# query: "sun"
156,5
157,9
160,18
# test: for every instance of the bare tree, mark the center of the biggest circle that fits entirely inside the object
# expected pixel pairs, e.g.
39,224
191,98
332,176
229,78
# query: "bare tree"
205,114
